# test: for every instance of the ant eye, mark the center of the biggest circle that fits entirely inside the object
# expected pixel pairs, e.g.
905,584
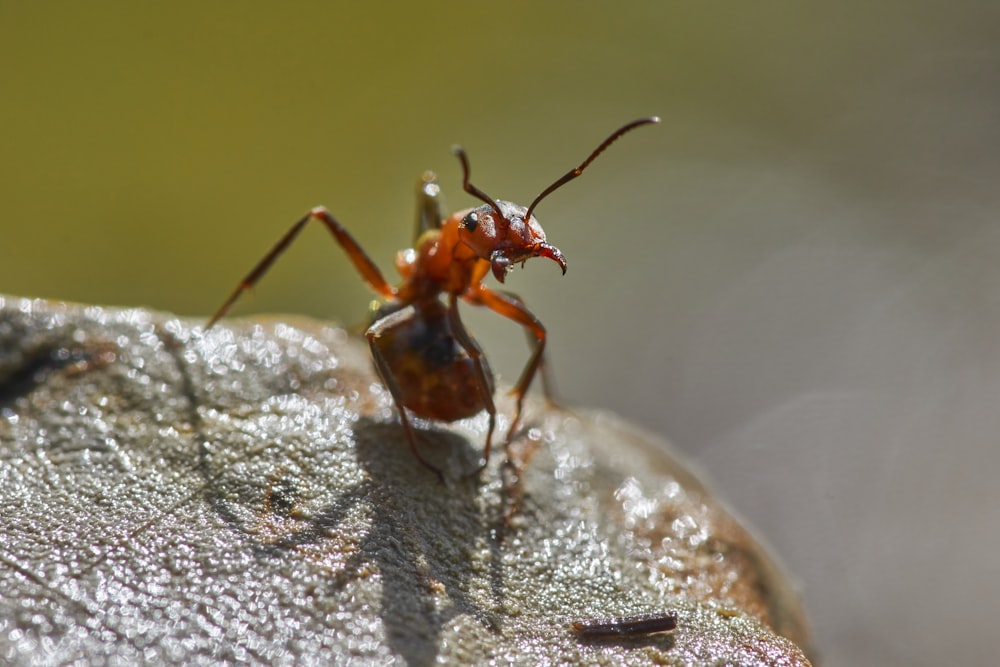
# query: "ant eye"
470,221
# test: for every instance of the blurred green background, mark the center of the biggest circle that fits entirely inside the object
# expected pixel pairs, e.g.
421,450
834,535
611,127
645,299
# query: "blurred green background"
794,277
152,152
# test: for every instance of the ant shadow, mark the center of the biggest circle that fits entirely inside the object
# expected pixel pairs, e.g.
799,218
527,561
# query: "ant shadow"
422,536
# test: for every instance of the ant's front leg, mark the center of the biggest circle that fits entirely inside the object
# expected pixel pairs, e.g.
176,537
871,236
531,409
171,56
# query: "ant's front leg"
515,310
544,368
364,265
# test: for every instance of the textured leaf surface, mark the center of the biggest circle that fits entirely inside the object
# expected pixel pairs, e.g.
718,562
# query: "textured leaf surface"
247,495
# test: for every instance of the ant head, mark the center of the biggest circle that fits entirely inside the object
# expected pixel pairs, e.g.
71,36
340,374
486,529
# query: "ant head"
506,233
502,233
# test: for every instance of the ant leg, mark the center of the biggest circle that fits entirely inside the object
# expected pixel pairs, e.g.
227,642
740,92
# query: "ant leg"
365,266
514,310
548,381
476,354
389,380
428,204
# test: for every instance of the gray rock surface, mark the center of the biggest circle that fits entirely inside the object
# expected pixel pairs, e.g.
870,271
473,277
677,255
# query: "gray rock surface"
247,495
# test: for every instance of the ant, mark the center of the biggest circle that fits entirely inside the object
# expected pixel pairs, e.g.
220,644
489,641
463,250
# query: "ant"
421,350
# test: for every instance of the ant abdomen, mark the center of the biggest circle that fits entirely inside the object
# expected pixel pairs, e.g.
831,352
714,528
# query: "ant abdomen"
436,377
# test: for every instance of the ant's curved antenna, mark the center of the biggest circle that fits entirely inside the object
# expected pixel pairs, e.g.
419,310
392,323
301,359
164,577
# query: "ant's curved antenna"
469,187
573,173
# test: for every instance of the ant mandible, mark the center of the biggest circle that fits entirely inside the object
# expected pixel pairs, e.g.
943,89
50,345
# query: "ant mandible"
421,350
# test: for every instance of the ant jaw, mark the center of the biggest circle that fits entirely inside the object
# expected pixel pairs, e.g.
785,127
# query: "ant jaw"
553,253
502,263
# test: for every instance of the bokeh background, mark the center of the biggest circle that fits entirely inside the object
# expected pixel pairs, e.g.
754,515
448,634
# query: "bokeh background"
795,277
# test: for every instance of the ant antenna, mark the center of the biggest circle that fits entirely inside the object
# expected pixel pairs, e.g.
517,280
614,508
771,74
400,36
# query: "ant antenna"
469,187
573,173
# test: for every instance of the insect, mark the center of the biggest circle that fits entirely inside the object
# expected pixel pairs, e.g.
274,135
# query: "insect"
626,626
421,350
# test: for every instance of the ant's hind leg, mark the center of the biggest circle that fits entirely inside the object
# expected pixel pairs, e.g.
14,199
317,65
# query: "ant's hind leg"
389,380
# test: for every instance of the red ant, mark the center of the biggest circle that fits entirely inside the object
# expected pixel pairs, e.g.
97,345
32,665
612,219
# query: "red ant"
422,351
